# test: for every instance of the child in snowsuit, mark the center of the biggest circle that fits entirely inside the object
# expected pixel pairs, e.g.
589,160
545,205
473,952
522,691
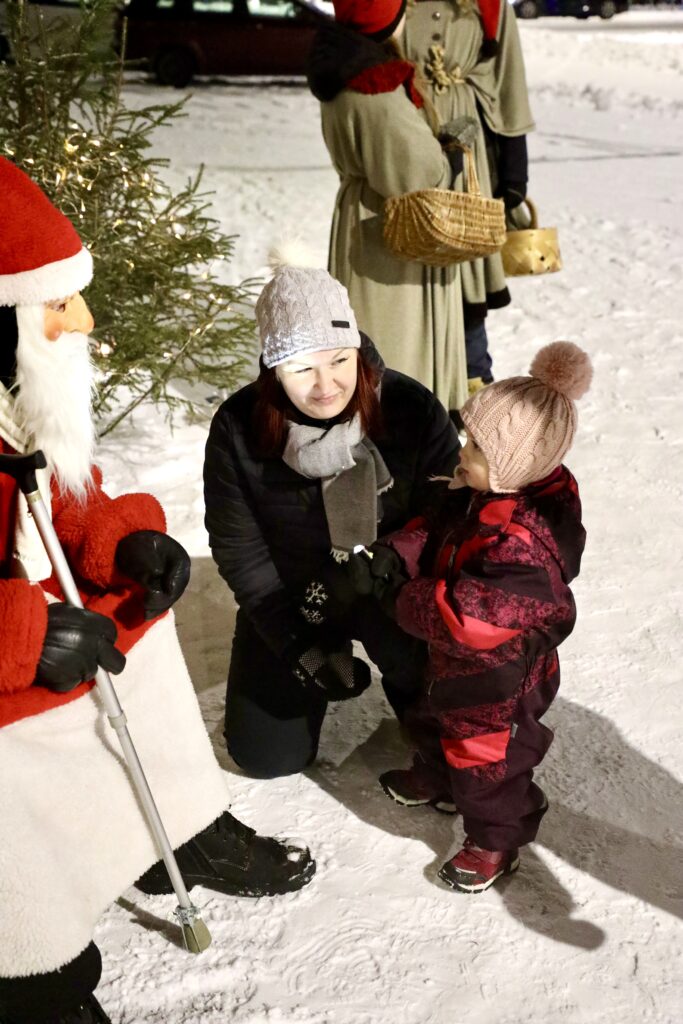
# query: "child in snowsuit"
488,588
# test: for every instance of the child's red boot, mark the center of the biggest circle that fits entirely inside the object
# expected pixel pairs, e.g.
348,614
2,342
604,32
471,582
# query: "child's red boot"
474,869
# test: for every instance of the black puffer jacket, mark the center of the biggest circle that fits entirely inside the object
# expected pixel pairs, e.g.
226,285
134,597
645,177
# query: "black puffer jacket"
266,523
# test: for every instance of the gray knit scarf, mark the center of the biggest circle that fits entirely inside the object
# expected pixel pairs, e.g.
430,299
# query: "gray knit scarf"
352,473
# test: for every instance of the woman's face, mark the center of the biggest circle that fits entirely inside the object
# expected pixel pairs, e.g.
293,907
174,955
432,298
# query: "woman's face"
320,384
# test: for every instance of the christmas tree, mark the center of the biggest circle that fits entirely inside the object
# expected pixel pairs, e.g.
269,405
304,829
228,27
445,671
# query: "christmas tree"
165,316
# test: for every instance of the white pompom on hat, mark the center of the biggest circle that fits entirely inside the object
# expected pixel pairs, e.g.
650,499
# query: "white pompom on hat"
525,425
302,308
42,259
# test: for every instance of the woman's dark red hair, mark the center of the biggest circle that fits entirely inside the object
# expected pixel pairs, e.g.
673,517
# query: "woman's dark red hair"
273,408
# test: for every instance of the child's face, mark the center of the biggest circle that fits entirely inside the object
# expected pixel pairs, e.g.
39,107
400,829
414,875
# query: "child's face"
473,465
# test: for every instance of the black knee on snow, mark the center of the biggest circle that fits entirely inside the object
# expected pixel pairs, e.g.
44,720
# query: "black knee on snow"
264,764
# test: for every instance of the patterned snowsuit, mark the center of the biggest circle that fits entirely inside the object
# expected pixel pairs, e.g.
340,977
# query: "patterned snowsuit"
489,591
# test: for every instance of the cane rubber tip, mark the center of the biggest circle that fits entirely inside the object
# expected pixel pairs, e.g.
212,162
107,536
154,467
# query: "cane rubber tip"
196,936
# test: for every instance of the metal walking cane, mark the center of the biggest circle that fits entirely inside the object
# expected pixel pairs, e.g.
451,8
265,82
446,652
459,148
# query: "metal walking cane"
23,469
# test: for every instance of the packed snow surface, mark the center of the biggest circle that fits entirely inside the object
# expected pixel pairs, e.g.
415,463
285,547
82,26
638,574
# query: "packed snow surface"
589,930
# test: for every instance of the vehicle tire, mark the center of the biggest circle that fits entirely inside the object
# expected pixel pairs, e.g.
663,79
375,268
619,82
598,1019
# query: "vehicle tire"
175,66
607,9
527,9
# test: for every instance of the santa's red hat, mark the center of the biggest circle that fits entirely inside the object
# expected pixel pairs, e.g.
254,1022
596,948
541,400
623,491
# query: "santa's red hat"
41,256
375,18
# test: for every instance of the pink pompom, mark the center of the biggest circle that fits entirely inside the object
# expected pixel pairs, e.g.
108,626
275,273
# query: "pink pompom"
564,367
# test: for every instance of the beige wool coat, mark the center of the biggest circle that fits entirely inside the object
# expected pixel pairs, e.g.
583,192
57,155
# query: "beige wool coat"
381,146
443,38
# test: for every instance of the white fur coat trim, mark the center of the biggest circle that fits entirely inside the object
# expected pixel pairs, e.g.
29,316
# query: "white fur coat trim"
73,837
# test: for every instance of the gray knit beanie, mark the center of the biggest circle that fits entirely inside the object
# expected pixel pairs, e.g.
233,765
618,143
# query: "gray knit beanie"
303,309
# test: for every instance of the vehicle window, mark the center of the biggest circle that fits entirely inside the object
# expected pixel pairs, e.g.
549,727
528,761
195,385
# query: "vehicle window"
215,6
56,3
273,9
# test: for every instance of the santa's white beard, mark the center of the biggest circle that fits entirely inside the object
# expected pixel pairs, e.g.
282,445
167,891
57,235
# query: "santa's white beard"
53,402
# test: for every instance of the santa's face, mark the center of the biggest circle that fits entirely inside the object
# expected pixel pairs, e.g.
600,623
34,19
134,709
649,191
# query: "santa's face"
67,315
54,386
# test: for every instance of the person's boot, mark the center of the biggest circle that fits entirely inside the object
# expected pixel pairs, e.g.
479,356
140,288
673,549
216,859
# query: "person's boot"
474,869
411,787
89,1012
230,857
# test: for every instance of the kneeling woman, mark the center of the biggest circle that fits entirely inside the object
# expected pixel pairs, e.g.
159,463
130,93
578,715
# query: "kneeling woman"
324,451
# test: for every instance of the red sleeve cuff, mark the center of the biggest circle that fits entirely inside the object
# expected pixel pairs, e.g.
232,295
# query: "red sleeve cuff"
23,624
409,543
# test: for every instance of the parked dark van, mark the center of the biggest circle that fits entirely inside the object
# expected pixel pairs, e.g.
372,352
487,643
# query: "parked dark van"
183,38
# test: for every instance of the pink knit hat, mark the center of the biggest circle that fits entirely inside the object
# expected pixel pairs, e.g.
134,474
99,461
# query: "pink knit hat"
526,425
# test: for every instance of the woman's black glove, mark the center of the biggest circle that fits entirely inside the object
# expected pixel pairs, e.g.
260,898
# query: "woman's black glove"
329,596
77,641
159,563
335,675
382,575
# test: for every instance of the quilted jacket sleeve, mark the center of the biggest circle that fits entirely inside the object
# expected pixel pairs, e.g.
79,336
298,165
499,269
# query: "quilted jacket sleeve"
438,455
89,531
239,547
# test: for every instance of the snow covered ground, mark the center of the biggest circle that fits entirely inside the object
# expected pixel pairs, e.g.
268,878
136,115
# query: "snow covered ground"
589,930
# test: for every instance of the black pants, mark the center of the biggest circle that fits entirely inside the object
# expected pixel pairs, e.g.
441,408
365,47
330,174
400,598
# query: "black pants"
272,723
479,363
42,998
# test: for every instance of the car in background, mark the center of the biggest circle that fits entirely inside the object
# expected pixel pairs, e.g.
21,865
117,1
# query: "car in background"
569,8
41,14
183,38
48,10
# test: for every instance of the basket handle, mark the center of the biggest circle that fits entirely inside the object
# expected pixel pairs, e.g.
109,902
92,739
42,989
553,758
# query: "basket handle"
472,186
531,207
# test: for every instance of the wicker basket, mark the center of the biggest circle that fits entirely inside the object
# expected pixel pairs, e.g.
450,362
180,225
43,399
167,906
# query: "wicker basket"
439,227
531,250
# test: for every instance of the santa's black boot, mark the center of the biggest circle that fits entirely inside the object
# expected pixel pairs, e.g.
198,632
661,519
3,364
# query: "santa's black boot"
230,857
89,1012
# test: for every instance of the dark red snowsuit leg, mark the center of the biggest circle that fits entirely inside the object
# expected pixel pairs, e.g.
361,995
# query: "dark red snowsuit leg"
500,804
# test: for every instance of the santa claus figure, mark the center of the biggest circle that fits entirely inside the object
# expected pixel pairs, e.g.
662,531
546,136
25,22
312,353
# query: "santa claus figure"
73,835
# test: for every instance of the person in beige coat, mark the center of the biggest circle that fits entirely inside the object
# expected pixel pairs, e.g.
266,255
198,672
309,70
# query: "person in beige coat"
382,146
468,57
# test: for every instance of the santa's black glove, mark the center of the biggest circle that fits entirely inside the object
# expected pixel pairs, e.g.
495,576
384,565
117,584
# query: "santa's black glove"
77,641
335,675
382,575
159,563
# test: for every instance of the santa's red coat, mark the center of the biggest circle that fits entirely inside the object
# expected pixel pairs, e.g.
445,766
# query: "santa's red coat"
89,532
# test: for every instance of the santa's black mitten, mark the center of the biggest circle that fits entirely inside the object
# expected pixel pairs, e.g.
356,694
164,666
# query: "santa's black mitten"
159,563
77,642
